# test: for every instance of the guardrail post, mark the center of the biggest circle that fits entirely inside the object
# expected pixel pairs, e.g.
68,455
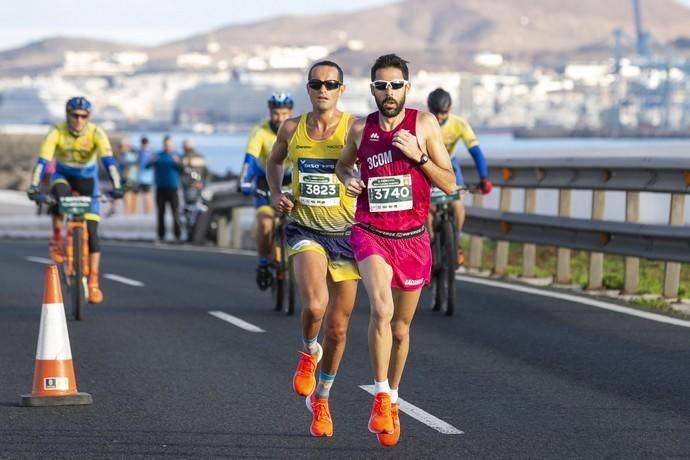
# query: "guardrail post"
222,233
235,229
529,250
502,247
672,270
476,243
596,259
632,264
563,254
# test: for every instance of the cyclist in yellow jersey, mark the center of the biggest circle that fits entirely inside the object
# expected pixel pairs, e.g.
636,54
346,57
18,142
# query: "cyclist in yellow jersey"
253,178
454,129
324,268
77,145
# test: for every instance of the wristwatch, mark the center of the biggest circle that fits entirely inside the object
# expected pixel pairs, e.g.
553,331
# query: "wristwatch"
423,159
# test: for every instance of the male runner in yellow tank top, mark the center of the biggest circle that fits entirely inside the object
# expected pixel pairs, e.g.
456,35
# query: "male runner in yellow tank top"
324,267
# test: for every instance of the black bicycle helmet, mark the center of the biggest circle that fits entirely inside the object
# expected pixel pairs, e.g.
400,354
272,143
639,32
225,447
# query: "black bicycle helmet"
439,100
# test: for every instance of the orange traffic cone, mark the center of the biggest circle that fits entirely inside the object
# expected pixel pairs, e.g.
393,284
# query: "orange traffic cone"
54,382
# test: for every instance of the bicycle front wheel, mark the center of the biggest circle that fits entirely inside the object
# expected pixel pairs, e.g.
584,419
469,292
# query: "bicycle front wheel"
447,273
77,285
278,282
436,254
289,286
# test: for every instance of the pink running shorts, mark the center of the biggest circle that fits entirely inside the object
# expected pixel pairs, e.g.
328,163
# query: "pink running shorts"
410,258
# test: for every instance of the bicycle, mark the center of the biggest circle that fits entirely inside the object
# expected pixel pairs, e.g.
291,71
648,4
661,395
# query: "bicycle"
283,285
75,268
443,250
282,279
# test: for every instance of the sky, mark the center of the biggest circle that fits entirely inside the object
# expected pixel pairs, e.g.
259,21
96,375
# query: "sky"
148,22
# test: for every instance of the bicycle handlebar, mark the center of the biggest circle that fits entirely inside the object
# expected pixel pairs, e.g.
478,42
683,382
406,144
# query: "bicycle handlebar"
470,188
50,199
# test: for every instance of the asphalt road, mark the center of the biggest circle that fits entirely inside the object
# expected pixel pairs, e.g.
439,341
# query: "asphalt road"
521,376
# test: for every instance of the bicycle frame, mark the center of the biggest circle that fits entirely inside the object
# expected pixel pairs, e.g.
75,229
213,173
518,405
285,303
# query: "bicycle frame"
277,236
283,287
443,247
74,222
77,249
444,213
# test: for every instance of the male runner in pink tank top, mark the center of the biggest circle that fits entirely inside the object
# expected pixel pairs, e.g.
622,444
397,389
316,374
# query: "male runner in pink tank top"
400,153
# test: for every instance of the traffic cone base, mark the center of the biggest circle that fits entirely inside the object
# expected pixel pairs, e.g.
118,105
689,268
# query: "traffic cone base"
54,381
76,399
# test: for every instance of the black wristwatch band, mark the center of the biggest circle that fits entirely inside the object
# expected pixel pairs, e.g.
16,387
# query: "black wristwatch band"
423,159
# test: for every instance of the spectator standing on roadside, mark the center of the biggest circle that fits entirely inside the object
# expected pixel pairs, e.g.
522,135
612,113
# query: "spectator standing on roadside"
166,166
129,170
195,171
145,175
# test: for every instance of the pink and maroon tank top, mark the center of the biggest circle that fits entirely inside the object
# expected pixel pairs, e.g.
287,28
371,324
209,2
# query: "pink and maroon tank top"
398,192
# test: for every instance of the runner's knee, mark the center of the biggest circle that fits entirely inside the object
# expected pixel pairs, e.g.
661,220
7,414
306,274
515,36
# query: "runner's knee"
315,302
336,331
381,308
401,331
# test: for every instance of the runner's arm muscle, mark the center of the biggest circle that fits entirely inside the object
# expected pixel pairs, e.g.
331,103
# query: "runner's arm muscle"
438,169
345,167
274,164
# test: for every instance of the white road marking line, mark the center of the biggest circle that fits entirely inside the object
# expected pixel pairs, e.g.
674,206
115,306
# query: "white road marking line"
40,260
420,415
236,321
573,298
183,248
123,280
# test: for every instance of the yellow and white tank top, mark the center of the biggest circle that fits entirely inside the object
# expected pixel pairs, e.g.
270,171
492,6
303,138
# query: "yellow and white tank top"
320,199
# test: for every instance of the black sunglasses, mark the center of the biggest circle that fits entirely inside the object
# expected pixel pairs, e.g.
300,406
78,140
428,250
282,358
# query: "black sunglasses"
79,115
329,84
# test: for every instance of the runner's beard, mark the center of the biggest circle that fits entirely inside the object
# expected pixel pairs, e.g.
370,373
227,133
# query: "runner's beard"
391,113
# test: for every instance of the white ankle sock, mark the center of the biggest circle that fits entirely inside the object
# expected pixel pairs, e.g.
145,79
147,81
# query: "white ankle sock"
394,396
323,388
382,387
311,345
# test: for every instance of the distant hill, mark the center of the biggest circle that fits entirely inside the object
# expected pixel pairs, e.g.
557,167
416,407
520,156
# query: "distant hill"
513,27
502,25
442,29
44,55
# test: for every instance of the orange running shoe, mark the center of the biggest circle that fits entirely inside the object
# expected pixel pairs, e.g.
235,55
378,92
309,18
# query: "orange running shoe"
381,420
304,380
460,257
321,424
55,250
389,440
95,293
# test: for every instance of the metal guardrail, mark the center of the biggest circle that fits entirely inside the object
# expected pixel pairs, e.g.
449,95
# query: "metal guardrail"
633,175
669,175
669,243
657,242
